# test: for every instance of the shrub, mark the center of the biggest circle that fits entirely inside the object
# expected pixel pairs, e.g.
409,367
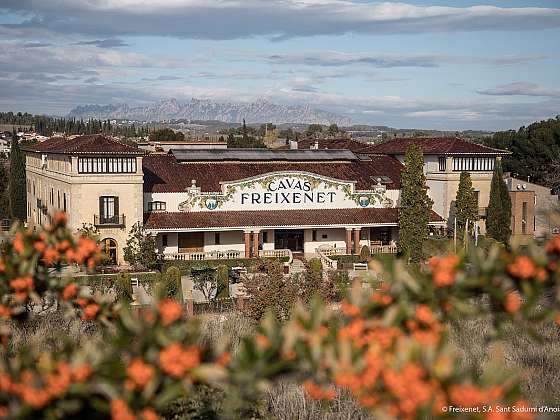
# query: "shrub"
388,347
315,265
222,279
173,284
365,254
123,287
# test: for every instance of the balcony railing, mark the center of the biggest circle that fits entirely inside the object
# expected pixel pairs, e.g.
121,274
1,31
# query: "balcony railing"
225,255
109,221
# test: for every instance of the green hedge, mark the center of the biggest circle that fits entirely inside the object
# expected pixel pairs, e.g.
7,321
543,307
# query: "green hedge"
102,281
186,266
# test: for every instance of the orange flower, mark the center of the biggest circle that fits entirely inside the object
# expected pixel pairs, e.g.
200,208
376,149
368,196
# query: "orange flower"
18,243
444,269
354,330
523,268
40,246
121,411
557,318
348,309
318,393
21,283
512,303
82,372
91,311
170,311
60,218
70,291
175,361
3,412
224,358
424,314
60,382
262,341
4,312
553,245
140,373
149,414
50,256
2,266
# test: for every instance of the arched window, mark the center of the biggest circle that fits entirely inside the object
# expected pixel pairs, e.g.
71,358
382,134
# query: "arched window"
109,247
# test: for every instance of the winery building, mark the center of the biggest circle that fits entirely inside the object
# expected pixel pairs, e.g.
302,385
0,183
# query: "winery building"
239,203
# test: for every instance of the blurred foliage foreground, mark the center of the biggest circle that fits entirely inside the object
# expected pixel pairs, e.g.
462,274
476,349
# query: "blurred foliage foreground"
388,346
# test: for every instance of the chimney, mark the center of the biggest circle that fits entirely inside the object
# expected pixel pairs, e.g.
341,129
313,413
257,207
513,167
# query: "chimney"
316,145
293,144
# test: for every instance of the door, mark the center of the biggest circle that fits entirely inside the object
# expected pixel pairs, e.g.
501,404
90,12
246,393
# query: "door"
109,248
289,239
191,241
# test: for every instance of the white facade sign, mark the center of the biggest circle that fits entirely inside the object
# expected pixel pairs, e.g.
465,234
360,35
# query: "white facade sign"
284,191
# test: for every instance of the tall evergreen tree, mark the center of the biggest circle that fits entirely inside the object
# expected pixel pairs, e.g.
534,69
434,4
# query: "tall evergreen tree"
465,202
4,207
498,218
16,187
414,215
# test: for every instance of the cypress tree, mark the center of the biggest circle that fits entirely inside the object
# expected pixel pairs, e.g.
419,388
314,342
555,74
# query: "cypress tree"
465,202
4,208
414,214
498,219
16,184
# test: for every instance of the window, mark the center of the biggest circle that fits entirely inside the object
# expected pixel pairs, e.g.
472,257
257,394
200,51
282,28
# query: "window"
314,235
524,217
473,164
58,198
265,237
108,209
52,196
442,163
64,202
217,238
477,197
156,206
89,165
164,240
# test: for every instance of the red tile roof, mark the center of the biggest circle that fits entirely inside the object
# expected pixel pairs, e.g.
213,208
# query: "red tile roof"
398,146
435,145
162,173
88,144
271,218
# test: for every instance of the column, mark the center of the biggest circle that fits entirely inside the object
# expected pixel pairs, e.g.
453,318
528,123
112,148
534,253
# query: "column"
357,240
247,239
255,244
348,240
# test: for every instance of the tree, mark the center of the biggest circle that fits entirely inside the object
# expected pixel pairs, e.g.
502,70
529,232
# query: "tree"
465,202
498,219
166,134
4,205
414,215
140,249
313,130
333,130
533,151
16,184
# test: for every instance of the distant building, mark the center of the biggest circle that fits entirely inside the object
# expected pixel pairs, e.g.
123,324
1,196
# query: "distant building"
444,160
166,146
4,146
535,209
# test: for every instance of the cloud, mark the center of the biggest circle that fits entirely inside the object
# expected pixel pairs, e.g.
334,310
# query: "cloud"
36,45
521,89
276,19
329,58
67,59
104,43
162,78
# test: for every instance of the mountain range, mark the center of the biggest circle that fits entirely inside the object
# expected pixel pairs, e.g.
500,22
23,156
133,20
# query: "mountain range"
260,111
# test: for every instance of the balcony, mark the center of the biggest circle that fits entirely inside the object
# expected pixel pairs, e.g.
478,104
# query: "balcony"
112,221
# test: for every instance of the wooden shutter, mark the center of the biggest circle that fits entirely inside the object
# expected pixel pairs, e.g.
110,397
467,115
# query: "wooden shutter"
101,215
117,208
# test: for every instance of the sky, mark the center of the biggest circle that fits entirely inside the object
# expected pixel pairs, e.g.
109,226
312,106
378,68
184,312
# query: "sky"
450,65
